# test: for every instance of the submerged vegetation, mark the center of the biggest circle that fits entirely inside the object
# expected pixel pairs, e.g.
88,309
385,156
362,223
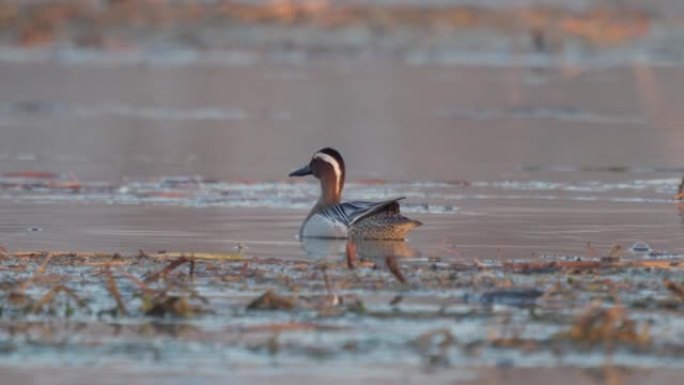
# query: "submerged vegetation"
440,310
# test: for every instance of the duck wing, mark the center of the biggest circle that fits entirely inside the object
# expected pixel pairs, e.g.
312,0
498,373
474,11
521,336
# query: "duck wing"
354,211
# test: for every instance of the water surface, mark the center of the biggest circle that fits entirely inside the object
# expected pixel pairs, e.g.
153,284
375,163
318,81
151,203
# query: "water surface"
498,162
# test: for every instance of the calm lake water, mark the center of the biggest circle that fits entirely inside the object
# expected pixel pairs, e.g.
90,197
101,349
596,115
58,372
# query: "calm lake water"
498,162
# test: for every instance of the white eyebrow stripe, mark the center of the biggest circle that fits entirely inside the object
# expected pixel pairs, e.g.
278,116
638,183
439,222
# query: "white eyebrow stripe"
335,165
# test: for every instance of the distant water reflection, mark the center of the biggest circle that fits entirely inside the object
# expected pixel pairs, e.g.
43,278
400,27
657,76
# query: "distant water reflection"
498,162
458,122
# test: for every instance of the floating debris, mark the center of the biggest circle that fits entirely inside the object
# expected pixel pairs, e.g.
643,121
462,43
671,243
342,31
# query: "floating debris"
40,180
511,297
169,305
641,248
272,301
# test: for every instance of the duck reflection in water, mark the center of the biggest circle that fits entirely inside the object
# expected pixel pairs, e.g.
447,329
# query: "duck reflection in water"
363,248
357,250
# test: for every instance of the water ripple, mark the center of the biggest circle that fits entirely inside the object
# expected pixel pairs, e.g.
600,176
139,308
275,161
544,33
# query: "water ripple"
544,113
429,197
39,108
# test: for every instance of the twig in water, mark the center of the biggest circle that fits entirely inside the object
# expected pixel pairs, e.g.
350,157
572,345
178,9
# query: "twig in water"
167,269
114,292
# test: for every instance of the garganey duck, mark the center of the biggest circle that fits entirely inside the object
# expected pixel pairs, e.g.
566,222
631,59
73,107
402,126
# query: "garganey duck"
331,218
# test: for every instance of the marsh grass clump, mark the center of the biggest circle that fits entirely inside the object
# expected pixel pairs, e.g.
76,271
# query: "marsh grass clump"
53,289
676,289
39,294
162,295
58,300
608,326
165,304
537,305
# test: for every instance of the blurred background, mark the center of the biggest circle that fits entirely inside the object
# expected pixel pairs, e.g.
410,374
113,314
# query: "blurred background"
419,89
535,109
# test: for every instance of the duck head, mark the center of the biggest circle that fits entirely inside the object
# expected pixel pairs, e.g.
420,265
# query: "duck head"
328,166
